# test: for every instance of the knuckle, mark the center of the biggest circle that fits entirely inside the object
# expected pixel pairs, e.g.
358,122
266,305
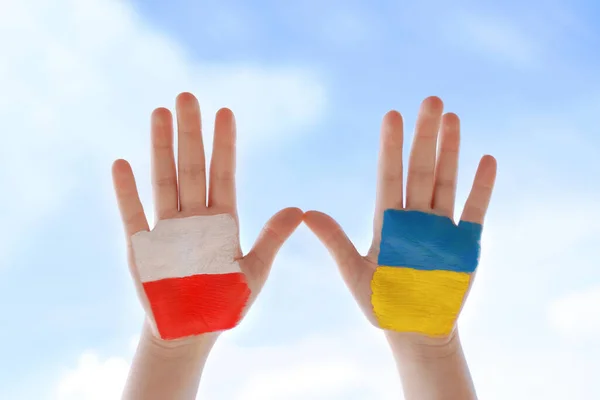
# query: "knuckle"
193,171
224,176
420,173
391,177
165,182
134,218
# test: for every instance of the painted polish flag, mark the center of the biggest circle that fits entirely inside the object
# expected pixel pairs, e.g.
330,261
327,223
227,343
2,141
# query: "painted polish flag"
190,278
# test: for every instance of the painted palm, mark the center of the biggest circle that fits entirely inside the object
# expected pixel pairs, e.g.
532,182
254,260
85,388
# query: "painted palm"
420,266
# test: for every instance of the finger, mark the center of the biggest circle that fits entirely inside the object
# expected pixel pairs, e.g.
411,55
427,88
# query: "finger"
190,158
481,192
130,206
257,263
331,234
164,174
389,174
421,166
222,165
446,170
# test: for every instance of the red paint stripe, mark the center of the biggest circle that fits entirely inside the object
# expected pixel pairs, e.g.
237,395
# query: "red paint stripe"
197,304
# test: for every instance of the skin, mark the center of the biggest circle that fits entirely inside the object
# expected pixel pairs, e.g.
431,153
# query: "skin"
172,369
430,368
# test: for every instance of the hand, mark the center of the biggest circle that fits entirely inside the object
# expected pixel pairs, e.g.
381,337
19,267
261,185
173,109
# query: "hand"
182,195
431,188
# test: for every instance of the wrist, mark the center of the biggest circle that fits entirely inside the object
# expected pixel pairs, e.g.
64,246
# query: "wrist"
164,369
432,368
186,348
414,347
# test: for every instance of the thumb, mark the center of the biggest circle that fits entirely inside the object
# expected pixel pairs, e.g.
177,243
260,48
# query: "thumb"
257,263
331,234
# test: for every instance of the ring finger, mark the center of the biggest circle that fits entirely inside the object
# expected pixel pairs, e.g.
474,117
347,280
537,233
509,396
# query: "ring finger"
446,170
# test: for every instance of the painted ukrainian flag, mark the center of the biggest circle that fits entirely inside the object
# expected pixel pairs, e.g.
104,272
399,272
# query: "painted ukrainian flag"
424,269
189,276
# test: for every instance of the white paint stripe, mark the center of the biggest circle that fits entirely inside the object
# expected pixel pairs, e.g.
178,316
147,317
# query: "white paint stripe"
181,247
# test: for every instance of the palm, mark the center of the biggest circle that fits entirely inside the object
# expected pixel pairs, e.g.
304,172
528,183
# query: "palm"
182,191
430,188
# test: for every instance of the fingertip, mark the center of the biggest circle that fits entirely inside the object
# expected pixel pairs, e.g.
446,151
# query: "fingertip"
451,118
185,96
120,166
292,214
490,160
433,104
393,117
320,223
224,112
487,168
392,135
225,117
295,210
187,101
160,113
312,215
122,174
225,129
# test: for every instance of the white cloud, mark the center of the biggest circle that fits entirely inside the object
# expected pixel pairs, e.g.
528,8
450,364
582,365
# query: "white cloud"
329,367
79,79
298,381
94,379
577,315
354,364
500,372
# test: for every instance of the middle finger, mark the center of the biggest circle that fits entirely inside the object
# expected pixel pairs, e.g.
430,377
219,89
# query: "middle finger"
191,160
421,166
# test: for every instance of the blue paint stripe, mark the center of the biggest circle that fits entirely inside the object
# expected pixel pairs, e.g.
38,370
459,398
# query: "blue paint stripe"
429,242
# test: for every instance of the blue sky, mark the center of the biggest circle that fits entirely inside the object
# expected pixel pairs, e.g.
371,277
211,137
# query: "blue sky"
309,83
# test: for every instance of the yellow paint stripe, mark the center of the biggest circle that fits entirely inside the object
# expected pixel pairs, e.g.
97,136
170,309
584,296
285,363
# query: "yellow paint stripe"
410,300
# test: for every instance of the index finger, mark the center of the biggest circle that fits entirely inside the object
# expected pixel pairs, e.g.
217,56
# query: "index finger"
130,206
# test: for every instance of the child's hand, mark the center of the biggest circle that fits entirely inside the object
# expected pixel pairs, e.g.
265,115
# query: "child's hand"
189,271
420,266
